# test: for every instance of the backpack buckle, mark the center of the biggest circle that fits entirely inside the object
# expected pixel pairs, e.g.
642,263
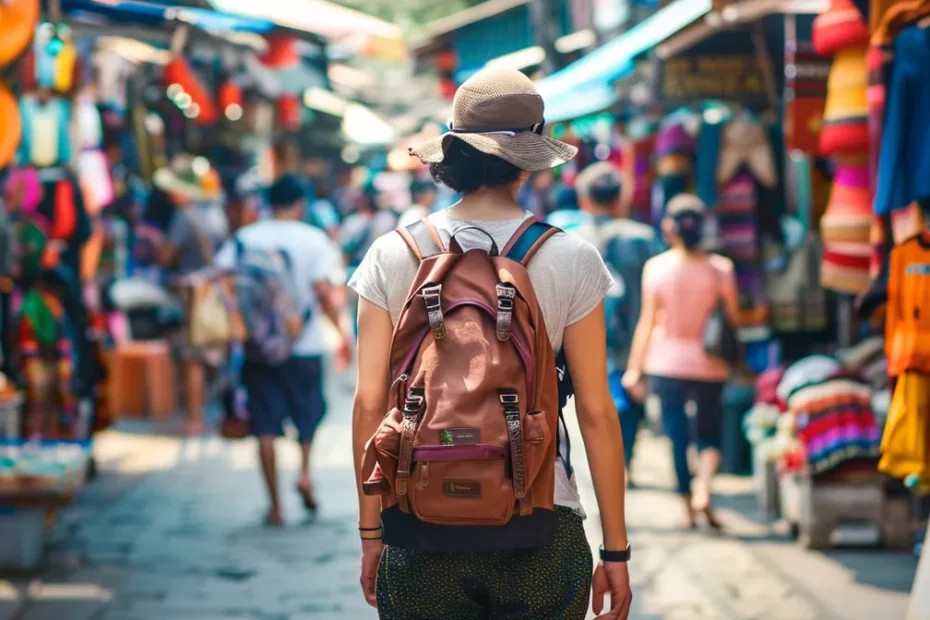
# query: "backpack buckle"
432,301
414,402
506,293
510,401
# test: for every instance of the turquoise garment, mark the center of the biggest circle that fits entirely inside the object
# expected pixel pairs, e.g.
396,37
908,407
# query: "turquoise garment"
29,108
708,153
904,163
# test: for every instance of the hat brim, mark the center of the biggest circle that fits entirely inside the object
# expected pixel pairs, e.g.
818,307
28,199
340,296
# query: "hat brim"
526,150
166,180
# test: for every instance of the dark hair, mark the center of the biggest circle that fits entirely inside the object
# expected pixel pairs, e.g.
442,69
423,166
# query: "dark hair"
465,169
604,190
566,199
420,187
285,192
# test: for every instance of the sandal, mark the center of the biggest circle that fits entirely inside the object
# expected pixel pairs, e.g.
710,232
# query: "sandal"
306,494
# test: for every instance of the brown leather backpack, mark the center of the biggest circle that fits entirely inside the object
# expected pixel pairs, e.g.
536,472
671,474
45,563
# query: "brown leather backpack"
470,438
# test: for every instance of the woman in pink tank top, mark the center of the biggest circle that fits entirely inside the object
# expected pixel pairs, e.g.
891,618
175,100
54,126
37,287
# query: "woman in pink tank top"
681,288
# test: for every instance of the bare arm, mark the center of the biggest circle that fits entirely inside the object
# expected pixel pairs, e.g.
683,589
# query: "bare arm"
328,296
586,353
730,295
371,395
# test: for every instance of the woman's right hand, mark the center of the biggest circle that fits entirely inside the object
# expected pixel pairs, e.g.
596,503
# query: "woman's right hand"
633,384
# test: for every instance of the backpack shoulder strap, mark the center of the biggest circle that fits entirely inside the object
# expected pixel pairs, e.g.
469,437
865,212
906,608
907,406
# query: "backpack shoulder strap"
422,238
527,240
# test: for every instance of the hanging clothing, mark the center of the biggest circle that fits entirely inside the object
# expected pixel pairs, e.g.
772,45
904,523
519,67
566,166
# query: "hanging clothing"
907,324
46,351
906,440
904,162
736,215
46,139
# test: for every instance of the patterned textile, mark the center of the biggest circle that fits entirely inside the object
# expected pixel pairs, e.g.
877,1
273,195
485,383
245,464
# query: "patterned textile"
738,230
835,422
47,362
550,582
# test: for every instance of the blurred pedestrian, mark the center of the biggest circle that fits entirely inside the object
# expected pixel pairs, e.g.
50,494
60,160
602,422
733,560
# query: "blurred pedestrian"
197,226
495,140
625,246
681,289
292,390
423,197
371,220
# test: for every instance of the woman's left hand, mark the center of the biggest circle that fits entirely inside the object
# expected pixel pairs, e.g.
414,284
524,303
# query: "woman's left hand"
371,558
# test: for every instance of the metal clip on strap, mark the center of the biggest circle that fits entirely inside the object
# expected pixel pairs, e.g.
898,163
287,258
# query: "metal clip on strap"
510,401
505,296
432,300
413,405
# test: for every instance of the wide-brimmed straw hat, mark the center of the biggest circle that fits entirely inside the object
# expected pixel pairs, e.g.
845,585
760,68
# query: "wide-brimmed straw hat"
499,112
191,177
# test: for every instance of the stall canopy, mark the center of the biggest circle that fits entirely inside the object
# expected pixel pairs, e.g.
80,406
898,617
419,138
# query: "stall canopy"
340,26
736,15
156,15
613,60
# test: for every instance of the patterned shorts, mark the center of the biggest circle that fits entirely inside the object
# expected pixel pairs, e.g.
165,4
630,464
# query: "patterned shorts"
551,583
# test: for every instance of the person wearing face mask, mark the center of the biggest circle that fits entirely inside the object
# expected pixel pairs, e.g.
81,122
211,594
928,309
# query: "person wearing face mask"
681,289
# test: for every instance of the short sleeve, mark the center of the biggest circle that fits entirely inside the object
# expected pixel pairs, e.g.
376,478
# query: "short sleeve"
325,265
226,256
370,280
592,281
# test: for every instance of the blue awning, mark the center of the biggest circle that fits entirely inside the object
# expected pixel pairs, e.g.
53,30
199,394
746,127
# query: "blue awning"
592,98
147,13
613,60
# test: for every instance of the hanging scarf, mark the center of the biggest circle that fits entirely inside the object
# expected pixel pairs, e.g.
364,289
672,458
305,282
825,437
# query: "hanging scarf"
41,317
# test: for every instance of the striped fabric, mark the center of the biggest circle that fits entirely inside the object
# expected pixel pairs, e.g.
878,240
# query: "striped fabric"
738,230
835,422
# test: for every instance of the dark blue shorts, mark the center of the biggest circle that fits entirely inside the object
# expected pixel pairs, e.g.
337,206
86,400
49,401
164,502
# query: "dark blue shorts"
292,391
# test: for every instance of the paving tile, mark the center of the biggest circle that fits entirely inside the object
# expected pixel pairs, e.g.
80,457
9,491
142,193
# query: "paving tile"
179,538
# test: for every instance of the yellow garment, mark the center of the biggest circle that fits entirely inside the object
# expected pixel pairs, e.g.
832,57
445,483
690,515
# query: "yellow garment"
906,442
64,70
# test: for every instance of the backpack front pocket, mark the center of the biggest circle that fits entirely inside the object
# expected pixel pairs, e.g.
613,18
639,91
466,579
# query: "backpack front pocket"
379,463
537,440
461,484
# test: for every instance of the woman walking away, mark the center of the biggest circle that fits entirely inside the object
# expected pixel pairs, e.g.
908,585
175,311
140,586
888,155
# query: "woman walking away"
681,289
468,507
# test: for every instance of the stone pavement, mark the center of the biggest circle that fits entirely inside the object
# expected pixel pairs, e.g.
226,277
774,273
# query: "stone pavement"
171,531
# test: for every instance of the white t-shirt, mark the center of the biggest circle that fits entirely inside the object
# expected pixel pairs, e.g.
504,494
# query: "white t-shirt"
568,290
314,258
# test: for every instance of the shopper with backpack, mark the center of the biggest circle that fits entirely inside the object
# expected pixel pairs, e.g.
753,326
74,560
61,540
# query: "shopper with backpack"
626,246
468,506
284,271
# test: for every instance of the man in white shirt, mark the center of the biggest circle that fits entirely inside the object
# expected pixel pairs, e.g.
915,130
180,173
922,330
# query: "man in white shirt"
292,390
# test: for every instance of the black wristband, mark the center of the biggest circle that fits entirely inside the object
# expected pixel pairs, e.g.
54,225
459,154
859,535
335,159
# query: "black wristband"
615,556
370,529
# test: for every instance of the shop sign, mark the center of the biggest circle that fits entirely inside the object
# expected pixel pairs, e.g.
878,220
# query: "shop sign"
728,77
